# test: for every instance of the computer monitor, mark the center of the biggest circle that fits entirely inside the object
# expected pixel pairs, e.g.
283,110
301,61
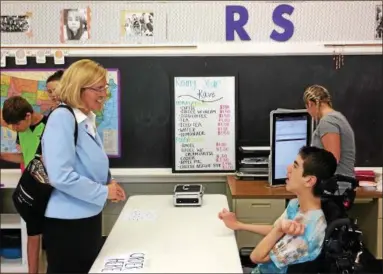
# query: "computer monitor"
289,132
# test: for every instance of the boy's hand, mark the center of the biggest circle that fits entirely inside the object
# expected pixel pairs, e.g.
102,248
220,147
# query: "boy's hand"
291,227
229,219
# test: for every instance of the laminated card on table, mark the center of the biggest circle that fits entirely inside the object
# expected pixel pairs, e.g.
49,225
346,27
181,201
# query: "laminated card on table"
132,262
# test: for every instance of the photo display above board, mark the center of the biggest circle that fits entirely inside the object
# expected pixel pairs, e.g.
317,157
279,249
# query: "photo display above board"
204,126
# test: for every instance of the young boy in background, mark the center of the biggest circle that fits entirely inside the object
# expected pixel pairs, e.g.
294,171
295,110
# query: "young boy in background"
29,125
51,86
19,115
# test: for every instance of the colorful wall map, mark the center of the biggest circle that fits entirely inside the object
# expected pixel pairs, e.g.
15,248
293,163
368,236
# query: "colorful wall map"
31,85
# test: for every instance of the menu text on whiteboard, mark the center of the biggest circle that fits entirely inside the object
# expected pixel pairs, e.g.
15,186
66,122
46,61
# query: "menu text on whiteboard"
204,124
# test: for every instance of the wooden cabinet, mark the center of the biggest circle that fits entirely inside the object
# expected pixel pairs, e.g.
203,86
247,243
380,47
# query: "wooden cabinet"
379,244
11,221
368,212
259,209
14,221
247,239
256,211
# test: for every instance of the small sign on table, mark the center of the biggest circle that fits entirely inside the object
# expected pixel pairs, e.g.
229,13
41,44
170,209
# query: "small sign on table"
133,262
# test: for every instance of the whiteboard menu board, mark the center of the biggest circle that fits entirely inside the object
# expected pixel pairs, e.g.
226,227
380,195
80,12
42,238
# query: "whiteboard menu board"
204,130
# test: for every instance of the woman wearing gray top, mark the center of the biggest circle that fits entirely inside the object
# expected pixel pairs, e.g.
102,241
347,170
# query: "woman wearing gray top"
333,132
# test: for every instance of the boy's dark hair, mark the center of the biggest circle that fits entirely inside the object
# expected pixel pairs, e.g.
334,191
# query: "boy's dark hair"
55,76
15,109
320,163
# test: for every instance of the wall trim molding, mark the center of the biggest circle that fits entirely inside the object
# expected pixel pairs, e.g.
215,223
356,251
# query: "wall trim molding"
206,49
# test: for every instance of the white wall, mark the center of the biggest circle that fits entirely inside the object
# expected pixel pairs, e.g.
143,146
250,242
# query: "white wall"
197,22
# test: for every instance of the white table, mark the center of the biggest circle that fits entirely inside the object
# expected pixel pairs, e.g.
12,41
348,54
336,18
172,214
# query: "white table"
179,240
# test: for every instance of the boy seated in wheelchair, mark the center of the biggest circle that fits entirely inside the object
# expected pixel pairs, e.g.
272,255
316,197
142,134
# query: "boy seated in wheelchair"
297,236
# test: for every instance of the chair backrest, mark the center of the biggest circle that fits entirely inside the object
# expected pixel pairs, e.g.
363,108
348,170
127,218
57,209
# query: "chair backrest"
343,199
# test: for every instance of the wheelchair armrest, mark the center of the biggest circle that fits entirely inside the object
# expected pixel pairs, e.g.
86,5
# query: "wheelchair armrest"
335,224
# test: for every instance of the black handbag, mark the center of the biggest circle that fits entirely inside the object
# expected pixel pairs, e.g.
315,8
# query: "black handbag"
33,190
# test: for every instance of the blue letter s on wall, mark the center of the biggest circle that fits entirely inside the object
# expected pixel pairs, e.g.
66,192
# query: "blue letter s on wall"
236,26
284,23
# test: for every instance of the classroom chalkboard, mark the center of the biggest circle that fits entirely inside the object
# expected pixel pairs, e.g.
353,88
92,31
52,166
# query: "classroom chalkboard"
265,83
204,126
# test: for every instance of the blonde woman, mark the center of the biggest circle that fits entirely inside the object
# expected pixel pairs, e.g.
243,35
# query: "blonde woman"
333,131
79,174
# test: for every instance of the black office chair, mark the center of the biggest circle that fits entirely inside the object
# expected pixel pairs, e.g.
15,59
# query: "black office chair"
343,250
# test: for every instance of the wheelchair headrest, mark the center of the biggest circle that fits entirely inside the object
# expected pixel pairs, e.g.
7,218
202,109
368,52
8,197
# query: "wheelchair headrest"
335,202
332,185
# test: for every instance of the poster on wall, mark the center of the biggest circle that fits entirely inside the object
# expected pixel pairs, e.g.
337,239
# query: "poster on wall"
30,84
17,23
75,25
137,23
379,22
204,126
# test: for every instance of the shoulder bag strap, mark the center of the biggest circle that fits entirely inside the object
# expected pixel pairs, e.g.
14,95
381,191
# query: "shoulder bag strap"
39,150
